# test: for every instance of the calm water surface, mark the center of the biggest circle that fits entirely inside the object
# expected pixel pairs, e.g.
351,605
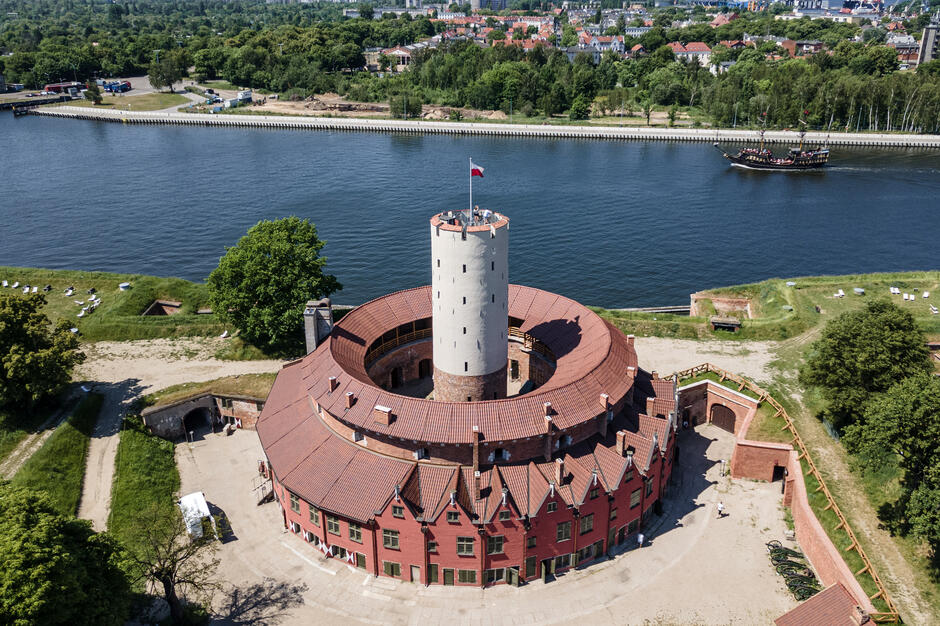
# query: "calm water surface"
607,223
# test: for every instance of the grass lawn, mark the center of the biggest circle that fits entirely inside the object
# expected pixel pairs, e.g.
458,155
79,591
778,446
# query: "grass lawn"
766,427
14,427
144,102
58,467
119,318
829,520
253,385
145,477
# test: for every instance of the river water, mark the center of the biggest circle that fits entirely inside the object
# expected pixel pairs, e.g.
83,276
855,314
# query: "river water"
614,224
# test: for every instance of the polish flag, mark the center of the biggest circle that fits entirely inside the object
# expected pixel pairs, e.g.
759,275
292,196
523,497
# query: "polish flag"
475,170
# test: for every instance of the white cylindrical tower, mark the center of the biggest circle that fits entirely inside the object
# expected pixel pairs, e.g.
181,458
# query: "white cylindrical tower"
470,290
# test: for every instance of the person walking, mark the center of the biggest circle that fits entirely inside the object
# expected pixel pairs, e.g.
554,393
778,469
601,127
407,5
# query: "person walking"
639,540
721,509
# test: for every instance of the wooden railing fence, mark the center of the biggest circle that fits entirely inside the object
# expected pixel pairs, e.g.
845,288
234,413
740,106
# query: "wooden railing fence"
891,615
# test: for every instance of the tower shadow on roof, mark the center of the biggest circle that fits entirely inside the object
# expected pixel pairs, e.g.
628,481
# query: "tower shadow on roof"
561,336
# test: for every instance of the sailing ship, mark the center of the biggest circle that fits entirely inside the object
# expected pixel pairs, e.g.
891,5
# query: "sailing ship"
796,159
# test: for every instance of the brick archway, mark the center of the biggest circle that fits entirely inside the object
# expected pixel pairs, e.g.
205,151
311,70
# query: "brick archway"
722,417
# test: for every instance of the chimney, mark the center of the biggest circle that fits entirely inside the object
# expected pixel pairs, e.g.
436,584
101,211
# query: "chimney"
310,326
631,371
655,375
649,405
333,383
382,415
350,399
505,493
476,449
605,401
548,409
476,485
559,471
630,339
547,452
621,442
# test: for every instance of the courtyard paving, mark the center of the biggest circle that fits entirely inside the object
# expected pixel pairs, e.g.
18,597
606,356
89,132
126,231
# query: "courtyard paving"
696,568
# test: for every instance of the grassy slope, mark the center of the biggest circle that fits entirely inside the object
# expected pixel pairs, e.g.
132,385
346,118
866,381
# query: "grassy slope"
118,318
145,476
254,385
58,467
773,322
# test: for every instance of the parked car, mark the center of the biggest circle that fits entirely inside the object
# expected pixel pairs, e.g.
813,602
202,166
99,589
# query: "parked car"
212,91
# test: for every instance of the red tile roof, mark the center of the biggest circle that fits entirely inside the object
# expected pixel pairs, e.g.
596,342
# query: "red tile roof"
591,358
833,606
334,473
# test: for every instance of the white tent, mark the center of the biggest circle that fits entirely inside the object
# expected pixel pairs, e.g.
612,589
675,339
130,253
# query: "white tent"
195,509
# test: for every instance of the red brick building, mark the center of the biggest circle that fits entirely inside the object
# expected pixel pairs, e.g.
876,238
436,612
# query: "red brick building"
469,493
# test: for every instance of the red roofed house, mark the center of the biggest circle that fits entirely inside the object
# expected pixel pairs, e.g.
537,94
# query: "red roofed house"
486,483
692,51
722,19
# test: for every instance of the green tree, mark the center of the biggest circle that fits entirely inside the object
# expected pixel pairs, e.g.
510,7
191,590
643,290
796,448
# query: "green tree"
36,359
164,73
405,105
580,108
647,107
366,11
55,569
93,93
902,427
263,282
861,353
167,556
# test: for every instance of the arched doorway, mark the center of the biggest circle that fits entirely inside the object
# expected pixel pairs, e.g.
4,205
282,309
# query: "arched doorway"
424,368
198,422
723,417
397,377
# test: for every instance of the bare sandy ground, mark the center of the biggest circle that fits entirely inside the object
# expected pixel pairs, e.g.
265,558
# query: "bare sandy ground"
122,371
665,356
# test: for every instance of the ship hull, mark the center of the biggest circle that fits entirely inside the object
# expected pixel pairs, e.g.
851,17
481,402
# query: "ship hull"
811,161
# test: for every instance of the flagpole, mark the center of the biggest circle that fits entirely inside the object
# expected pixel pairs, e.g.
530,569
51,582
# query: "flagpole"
470,210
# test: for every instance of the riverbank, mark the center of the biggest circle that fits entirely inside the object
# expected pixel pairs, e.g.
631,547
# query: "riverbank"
484,129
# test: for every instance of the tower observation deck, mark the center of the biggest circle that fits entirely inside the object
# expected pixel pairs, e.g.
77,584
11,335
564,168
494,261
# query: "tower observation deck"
470,292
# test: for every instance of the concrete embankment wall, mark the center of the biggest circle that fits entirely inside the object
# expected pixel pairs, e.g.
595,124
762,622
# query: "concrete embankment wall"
469,128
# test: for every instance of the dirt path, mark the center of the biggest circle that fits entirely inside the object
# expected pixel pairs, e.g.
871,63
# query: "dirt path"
894,569
122,371
34,441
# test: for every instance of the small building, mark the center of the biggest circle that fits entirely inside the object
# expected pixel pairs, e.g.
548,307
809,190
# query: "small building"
719,322
195,512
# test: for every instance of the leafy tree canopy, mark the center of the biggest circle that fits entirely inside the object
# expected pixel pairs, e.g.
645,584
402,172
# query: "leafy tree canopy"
861,353
54,569
36,360
903,426
262,283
